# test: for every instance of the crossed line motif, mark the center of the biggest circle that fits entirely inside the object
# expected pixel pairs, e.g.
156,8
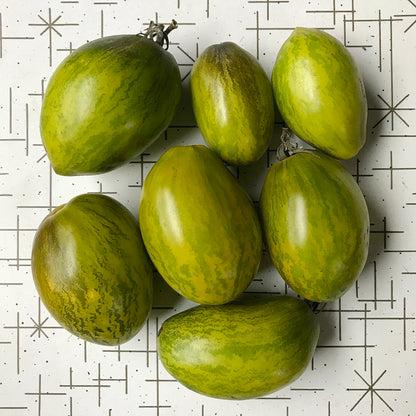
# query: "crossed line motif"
371,389
50,26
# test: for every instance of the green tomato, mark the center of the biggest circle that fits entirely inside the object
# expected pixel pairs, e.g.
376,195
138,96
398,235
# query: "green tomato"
320,93
199,226
233,103
240,350
108,101
92,271
316,224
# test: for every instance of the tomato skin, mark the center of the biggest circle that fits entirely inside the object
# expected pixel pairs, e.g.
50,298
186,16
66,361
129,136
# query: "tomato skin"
240,350
107,102
316,225
91,269
233,103
320,92
199,226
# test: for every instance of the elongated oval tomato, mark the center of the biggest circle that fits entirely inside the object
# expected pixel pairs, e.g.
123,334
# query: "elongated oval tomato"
316,224
92,271
233,103
239,350
320,93
199,226
106,102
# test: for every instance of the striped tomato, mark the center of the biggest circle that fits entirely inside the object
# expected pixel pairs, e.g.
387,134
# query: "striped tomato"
106,102
233,103
91,269
316,224
199,226
239,350
320,93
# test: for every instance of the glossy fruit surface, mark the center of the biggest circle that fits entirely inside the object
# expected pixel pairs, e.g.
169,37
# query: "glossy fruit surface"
320,93
239,350
316,224
91,269
106,102
233,103
199,226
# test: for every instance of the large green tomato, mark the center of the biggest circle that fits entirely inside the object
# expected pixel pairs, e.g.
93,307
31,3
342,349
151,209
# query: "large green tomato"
316,224
92,271
199,226
233,103
320,93
106,102
239,350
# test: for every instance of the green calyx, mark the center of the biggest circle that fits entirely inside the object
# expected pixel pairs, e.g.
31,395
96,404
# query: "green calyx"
158,33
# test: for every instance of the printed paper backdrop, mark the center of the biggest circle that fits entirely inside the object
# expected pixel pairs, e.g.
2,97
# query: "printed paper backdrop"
365,362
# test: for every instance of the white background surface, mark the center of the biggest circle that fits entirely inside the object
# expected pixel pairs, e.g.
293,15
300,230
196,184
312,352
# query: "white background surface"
366,357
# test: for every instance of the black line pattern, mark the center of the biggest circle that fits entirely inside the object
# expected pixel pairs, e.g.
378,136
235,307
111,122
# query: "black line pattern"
49,25
371,389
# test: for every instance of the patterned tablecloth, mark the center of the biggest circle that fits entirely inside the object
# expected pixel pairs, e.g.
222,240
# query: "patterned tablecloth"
366,357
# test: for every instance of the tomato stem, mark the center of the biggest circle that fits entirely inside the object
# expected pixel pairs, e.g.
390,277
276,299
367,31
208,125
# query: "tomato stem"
315,306
288,145
158,33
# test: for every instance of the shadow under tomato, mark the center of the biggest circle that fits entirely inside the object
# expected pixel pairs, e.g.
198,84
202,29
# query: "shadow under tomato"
377,241
376,120
164,297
